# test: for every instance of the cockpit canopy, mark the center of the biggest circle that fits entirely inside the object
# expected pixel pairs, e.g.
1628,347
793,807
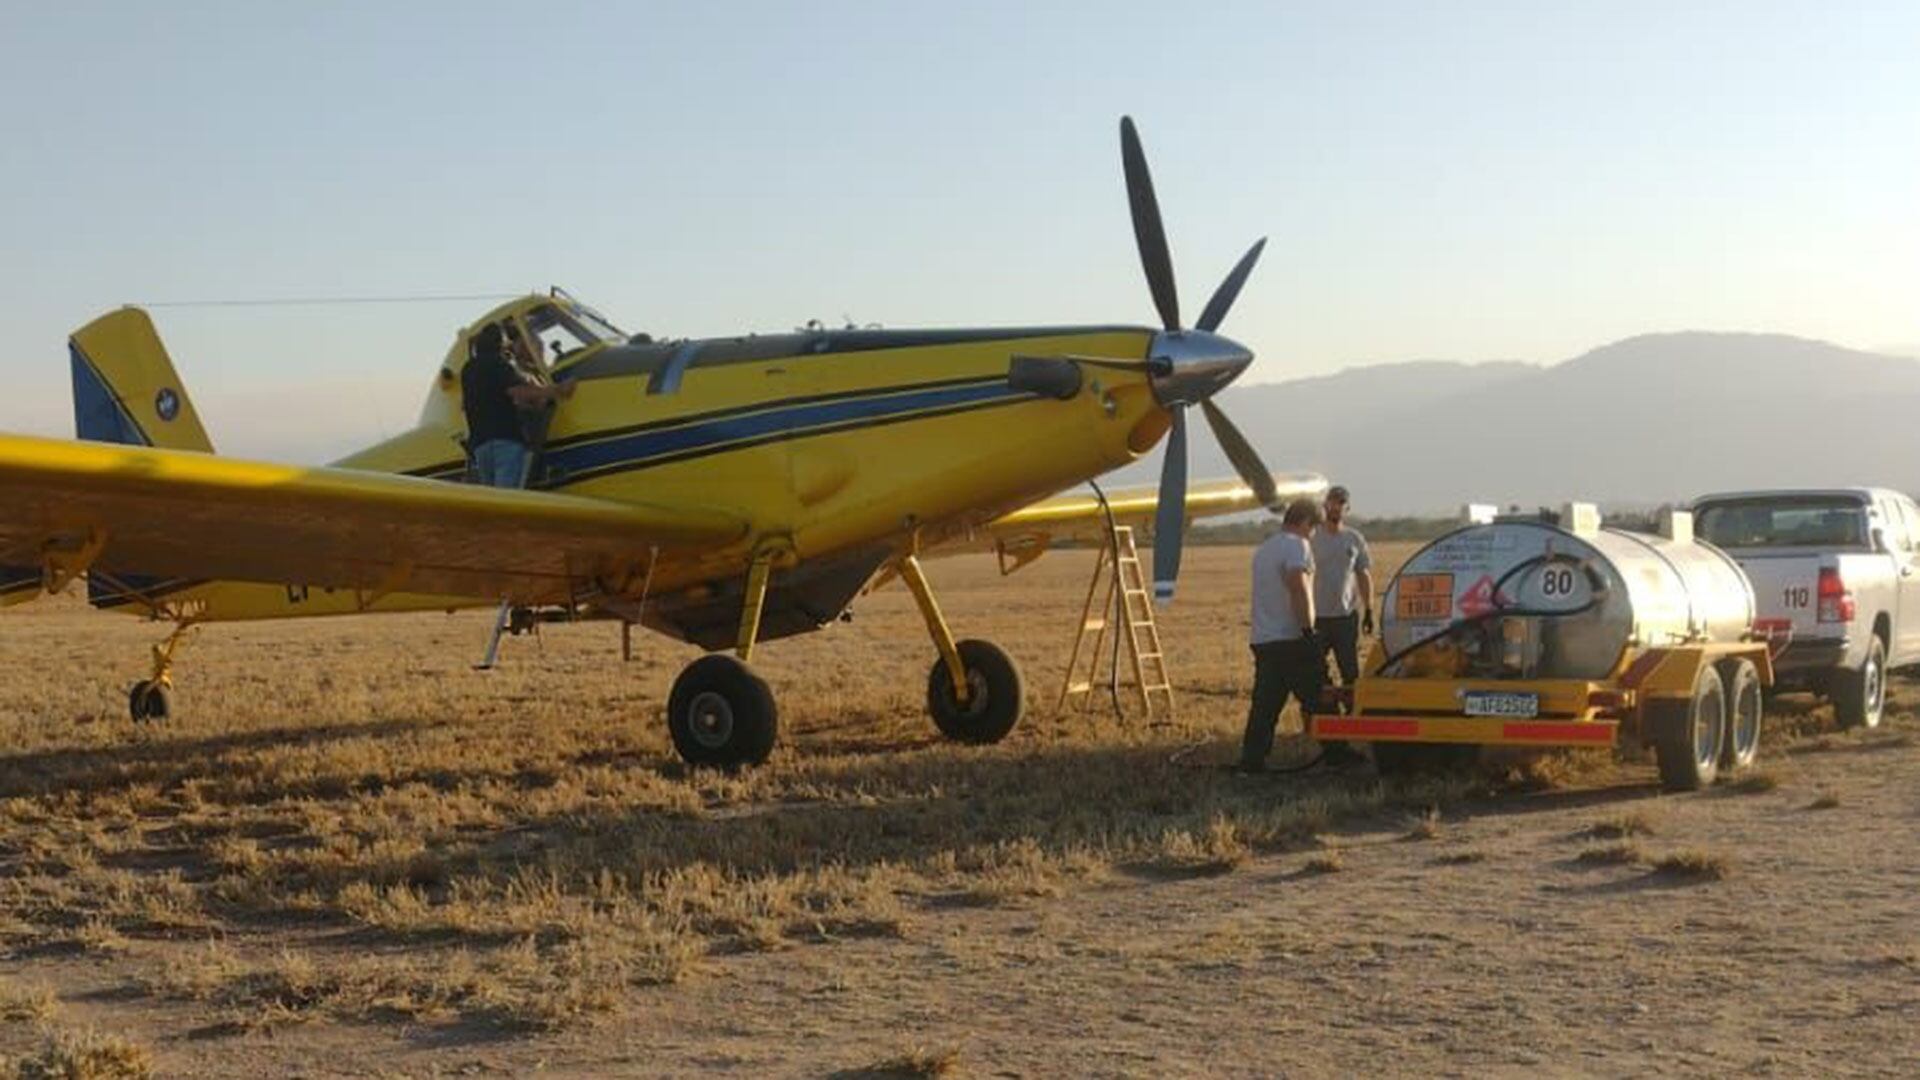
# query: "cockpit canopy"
564,326
546,333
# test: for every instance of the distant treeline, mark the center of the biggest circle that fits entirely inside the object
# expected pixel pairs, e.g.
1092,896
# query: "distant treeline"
1382,528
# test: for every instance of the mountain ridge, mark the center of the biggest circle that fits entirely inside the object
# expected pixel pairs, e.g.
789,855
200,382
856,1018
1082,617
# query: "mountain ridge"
1647,419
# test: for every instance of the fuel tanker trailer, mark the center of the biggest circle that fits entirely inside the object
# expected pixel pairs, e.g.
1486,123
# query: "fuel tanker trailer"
1556,631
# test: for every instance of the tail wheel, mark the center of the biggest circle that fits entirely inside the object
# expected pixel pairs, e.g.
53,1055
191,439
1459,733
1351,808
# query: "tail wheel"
1745,707
721,714
148,701
996,696
1688,734
1860,695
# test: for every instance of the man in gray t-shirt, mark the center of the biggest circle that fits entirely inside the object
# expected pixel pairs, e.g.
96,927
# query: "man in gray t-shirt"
1342,587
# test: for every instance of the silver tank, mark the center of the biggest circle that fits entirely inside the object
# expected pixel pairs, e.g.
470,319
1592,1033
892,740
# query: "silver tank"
1525,598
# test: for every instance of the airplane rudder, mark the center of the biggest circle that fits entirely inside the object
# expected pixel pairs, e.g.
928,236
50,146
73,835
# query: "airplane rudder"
125,388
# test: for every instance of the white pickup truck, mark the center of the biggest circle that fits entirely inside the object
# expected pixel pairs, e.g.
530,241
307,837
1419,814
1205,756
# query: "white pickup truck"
1836,578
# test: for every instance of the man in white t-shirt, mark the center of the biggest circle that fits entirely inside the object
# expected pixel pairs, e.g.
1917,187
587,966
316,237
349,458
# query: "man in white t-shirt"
1287,661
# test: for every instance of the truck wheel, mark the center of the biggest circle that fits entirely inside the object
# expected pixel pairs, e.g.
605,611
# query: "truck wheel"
1860,695
1745,706
1687,734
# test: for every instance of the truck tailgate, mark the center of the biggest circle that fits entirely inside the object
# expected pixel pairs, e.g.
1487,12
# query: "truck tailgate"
1786,593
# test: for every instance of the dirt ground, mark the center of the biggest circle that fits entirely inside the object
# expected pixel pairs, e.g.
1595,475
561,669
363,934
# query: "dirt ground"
350,855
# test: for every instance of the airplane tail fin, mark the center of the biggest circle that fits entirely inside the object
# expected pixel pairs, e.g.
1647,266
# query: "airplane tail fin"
125,389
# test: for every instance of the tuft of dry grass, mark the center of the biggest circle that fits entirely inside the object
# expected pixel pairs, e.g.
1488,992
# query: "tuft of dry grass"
1827,799
1424,827
20,1004
1757,782
1559,769
912,1063
85,1055
1327,862
1622,826
1694,864
1220,849
1465,857
1624,853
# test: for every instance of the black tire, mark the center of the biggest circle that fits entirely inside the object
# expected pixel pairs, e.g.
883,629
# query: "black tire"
1745,706
721,714
1860,694
997,701
1688,734
148,701
1394,759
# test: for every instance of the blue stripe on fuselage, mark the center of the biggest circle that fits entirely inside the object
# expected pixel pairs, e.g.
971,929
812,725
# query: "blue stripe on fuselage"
641,448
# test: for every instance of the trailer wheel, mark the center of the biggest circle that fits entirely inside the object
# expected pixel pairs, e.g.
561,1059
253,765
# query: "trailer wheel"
1688,734
1860,695
1394,759
1745,706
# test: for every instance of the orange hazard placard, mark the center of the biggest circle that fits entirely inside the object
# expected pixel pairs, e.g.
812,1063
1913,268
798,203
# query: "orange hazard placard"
1423,597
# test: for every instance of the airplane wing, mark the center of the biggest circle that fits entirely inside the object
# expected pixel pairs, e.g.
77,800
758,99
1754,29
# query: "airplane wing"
73,506
1077,517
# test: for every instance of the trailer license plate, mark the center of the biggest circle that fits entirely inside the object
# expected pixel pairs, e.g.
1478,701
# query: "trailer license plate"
1501,703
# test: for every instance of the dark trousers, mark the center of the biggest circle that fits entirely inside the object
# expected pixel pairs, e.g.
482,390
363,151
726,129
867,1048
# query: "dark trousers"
1340,635
1281,669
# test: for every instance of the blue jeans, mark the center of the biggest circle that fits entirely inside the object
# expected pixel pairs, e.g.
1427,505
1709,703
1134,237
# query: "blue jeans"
500,463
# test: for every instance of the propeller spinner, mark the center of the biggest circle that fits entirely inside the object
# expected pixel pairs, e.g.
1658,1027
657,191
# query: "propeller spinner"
1187,366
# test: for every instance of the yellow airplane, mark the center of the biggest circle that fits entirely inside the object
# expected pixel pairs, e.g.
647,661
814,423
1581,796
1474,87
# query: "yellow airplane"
725,491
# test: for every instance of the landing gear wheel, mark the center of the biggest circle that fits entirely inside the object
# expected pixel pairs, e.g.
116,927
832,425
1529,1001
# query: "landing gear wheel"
996,697
1423,759
1860,696
1744,709
148,700
721,714
1688,734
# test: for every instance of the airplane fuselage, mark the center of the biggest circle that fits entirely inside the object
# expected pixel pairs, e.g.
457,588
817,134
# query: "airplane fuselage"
840,448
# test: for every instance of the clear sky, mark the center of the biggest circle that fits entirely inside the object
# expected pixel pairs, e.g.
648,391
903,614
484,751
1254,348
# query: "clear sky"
1456,180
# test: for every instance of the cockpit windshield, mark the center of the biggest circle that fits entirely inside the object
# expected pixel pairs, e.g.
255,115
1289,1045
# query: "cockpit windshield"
596,323
568,329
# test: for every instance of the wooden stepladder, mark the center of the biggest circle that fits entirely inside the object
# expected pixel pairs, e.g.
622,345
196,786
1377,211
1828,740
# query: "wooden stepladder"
1120,601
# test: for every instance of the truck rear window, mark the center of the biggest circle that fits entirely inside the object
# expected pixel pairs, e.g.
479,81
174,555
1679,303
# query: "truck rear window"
1805,522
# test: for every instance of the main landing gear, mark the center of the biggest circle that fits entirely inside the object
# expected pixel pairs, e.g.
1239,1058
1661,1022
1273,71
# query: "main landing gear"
721,714
151,699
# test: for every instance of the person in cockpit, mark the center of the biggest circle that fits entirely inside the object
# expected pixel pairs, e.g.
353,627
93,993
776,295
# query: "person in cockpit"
494,392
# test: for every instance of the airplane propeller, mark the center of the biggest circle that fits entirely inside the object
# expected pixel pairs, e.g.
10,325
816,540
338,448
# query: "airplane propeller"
1187,366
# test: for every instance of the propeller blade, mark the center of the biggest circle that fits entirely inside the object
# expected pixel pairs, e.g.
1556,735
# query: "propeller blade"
1148,233
1229,290
1170,517
1246,461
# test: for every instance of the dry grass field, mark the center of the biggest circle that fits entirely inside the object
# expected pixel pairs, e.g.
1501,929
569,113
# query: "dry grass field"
349,854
